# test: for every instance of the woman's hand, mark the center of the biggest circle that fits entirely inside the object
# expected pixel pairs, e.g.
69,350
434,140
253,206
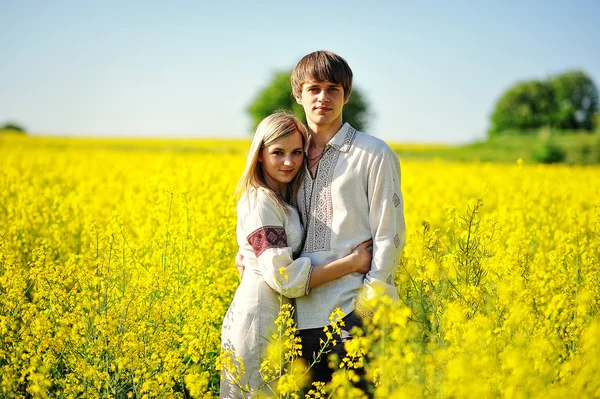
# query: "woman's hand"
362,255
238,263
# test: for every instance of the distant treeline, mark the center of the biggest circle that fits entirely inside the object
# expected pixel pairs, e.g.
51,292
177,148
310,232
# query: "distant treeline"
565,102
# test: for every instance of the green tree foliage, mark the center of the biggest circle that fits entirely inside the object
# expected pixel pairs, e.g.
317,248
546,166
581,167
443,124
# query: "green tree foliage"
525,106
577,101
277,95
567,101
356,111
12,128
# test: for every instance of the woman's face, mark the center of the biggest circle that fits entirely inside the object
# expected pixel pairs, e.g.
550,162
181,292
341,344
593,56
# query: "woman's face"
281,161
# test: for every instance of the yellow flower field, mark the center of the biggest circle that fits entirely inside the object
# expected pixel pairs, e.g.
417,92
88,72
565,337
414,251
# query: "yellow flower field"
117,267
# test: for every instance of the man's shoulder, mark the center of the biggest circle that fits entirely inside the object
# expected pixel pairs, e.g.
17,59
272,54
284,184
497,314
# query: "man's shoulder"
367,142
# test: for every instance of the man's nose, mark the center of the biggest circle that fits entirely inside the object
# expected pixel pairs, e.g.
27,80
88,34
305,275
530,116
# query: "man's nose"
323,95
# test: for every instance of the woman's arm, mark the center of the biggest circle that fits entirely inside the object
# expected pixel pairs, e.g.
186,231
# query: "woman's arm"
261,223
358,261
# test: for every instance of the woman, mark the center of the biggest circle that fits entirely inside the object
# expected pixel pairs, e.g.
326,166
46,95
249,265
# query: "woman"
269,233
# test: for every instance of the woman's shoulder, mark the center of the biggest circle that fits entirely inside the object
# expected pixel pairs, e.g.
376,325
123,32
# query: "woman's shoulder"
252,195
256,200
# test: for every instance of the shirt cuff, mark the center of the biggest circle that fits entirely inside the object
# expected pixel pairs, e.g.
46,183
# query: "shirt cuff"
307,287
363,309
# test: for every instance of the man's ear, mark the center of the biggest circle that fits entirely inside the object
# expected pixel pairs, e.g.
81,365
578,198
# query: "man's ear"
298,99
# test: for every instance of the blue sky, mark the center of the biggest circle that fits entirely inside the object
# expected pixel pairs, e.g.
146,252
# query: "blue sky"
432,71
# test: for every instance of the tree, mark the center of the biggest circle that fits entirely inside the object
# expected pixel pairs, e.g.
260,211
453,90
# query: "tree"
277,95
356,111
527,105
13,128
568,101
576,98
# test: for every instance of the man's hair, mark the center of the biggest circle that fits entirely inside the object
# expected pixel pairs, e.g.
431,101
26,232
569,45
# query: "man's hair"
322,66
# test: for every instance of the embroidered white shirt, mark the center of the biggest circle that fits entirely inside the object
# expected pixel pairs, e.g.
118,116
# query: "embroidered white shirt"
354,196
268,238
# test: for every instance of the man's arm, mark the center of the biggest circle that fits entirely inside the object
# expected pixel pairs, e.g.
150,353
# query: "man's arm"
388,229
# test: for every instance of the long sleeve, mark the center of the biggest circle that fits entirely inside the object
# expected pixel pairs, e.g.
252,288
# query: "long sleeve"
388,229
262,225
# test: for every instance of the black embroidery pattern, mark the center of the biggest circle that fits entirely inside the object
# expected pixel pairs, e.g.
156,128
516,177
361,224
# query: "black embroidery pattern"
306,287
396,200
396,240
318,206
348,139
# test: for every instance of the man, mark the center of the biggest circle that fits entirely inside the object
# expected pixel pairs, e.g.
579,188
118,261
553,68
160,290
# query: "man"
351,193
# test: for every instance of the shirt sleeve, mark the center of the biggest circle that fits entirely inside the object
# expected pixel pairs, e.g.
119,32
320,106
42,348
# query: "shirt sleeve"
264,226
388,230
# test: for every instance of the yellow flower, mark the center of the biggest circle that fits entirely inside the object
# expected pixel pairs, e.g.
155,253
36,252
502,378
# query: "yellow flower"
117,267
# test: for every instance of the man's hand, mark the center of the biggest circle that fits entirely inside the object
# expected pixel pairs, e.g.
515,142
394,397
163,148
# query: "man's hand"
238,263
363,255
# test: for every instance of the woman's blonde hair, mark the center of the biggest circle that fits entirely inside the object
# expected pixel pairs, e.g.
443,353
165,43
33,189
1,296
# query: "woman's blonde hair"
271,129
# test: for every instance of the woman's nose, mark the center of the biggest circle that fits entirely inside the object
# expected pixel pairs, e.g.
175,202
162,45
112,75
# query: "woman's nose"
288,160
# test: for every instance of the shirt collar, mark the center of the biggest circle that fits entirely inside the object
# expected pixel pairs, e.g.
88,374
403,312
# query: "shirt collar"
343,139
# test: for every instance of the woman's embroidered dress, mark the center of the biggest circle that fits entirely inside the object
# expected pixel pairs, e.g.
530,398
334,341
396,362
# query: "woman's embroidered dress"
268,238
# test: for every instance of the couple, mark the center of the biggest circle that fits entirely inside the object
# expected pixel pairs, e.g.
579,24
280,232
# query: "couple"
330,219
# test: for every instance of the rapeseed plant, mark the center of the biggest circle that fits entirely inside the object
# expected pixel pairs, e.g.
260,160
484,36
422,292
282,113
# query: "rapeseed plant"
117,267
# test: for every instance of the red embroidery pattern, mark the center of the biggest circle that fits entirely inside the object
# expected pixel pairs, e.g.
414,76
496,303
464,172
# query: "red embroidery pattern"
267,237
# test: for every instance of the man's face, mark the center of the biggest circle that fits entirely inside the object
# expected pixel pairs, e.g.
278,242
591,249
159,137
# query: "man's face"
323,102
